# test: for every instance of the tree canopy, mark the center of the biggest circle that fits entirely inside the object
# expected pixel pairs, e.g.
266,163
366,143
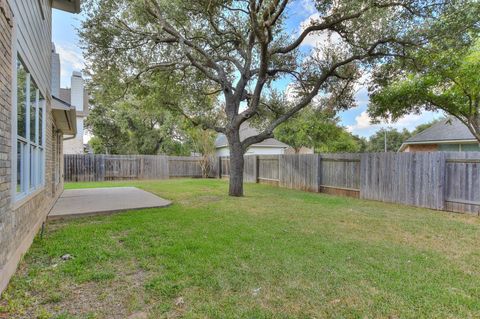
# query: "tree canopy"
140,122
393,137
318,130
442,75
240,49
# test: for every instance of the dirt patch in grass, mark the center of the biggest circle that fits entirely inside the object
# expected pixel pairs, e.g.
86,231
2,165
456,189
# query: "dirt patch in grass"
117,297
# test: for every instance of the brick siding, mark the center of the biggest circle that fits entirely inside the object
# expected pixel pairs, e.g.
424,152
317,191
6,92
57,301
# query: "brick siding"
421,148
20,221
5,121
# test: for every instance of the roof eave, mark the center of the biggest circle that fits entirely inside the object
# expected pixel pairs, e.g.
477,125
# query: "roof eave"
441,142
64,116
72,6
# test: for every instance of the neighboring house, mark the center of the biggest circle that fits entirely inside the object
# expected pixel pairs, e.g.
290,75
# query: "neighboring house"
301,150
447,135
269,146
32,125
77,96
73,144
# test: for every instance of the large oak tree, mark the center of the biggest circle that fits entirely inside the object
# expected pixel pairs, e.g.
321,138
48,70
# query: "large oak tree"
240,49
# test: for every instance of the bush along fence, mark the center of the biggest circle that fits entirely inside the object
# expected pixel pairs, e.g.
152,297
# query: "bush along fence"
439,180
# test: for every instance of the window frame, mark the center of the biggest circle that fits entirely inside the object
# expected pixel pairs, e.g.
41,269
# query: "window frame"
29,183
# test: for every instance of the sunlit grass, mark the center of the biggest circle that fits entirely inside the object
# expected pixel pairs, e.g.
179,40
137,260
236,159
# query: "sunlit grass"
275,253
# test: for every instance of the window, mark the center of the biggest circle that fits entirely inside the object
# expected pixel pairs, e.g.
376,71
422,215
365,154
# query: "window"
30,133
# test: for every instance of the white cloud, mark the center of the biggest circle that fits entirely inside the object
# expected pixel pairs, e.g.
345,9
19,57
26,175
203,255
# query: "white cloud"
308,6
364,127
71,59
71,56
362,121
290,94
317,39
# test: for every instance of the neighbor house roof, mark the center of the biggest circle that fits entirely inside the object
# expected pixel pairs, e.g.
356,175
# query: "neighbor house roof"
246,131
449,130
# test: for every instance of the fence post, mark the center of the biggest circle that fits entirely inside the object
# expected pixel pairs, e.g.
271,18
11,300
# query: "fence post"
319,172
102,167
442,171
257,168
219,167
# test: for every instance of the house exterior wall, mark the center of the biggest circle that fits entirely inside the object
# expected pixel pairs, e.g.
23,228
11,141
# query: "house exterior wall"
302,150
75,145
6,33
472,147
463,147
28,34
77,96
55,72
223,151
77,91
34,33
446,147
254,150
449,147
421,148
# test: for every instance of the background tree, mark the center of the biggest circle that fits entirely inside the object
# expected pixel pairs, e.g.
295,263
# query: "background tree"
443,75
127,128
343,142
135,124
97,146
316,129
395,139
108,136
241,48
203,142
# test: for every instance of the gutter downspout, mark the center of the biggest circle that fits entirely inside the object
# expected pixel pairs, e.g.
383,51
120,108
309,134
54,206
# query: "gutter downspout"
72,136
69,138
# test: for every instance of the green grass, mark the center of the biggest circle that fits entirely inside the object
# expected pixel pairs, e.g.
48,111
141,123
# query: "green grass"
275,253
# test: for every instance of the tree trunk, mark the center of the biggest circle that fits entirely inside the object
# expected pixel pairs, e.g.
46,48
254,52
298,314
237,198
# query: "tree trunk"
236,167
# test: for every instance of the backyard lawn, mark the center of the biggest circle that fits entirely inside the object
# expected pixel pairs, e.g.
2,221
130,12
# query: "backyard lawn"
275,253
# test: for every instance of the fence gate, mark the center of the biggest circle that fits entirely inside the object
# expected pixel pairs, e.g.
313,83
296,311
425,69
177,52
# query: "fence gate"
268,166
462,183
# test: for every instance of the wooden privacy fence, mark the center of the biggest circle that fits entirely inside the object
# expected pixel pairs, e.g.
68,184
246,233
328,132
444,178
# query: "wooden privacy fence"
90,167
438,180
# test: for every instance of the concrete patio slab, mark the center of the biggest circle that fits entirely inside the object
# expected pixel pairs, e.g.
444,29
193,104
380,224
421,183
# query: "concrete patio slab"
97,201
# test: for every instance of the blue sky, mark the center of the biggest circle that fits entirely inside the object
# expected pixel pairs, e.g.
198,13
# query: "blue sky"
65,37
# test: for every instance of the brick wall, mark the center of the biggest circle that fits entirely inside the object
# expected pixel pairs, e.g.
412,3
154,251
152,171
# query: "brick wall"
19,221
5,112
421,148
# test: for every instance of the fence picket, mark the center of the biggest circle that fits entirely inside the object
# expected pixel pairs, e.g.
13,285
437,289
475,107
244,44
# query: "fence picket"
438,180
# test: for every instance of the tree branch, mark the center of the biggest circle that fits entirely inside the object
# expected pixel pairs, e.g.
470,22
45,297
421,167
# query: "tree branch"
329,23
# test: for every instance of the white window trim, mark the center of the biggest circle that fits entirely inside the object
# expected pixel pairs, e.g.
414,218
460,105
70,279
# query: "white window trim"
39,163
